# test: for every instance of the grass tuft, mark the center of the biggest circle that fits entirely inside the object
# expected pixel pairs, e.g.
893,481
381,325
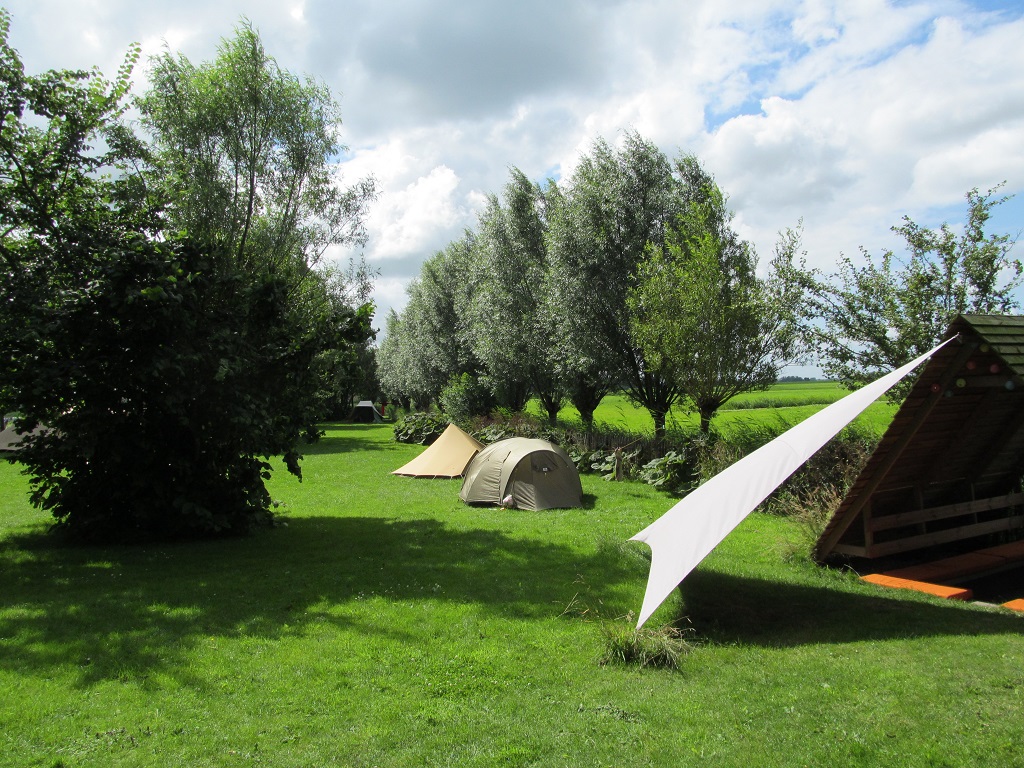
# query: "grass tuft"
811,511
660,648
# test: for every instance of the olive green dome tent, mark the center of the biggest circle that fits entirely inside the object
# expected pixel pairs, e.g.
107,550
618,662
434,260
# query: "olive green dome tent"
522,473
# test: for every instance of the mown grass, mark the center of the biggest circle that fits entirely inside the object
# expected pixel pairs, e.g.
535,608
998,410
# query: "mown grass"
784,404
387,624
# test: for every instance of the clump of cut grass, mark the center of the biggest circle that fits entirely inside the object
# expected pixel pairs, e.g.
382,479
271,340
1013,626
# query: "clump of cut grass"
660,648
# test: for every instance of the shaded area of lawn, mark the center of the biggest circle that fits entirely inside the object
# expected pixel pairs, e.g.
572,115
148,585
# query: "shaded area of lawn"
724,608
347,438
119,612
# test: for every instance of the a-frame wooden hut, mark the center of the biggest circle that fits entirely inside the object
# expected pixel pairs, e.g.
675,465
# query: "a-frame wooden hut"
946,476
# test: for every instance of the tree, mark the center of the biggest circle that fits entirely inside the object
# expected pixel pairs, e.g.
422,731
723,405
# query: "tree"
615,203
865,320
393,369
427,345
510,332
700,304
164,364
244,152
348,372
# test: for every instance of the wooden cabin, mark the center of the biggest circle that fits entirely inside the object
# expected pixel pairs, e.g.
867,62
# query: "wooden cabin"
946,476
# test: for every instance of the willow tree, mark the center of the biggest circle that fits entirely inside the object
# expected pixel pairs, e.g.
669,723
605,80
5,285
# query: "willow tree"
511,332
246,154
616,201
700,306
428,343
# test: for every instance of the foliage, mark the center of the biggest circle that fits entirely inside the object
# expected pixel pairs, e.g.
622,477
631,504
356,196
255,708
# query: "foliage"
614,465
396,378
509,330
422,428
676,473
812,513
166,364
616,201
348,373
492,433
428,343
464,397
865,320
700,310
245,151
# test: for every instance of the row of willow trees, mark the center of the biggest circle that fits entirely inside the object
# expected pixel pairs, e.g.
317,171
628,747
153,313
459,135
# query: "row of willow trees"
629,277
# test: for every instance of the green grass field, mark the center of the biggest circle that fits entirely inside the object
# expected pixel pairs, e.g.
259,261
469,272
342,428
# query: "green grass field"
783,404
389,625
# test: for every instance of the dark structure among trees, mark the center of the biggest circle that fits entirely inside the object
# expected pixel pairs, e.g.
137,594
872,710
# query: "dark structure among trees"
946,477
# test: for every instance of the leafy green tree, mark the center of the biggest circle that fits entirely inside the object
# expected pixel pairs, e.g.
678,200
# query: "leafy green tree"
394,370
866,319
165,367
615,203
348,372
510,332
700,304
428,345
244,152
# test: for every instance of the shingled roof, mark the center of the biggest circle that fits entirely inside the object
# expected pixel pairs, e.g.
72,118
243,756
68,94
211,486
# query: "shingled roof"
949,467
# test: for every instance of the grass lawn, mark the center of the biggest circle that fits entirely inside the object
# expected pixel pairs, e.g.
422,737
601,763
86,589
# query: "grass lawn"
784,404
389,625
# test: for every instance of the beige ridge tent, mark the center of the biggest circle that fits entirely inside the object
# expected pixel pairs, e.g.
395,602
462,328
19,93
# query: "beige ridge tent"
448,456
523,473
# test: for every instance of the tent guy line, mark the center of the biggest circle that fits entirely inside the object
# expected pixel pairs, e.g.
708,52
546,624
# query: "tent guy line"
690,530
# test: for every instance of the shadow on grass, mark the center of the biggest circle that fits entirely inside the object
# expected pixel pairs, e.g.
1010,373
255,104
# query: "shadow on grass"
727,609
347,438
129,613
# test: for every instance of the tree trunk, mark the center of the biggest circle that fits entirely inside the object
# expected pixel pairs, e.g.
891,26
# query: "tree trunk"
552,408
587,417
705,421
586,396
658,415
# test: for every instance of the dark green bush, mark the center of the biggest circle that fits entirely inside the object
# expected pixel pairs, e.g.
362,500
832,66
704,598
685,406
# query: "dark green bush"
492,433
676,472
464,397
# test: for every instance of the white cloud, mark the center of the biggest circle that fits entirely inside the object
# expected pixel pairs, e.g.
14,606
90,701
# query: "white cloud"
406,219
846,114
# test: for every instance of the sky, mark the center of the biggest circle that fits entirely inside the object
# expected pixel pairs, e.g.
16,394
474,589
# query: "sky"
843,115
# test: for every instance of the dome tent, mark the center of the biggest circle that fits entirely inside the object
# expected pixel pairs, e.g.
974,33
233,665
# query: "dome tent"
523,473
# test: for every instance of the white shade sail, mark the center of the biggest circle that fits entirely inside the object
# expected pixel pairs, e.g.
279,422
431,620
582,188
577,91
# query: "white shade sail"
687,533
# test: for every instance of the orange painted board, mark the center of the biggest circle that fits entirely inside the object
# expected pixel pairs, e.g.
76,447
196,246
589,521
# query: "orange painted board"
1015,605
939,590
951,567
